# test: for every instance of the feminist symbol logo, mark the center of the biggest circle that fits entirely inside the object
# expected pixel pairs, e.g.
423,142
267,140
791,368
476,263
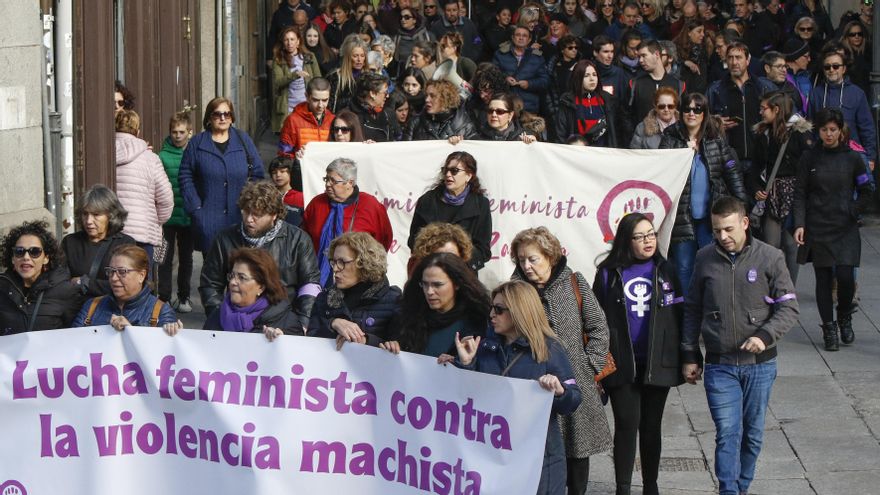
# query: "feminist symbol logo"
12,487
638,290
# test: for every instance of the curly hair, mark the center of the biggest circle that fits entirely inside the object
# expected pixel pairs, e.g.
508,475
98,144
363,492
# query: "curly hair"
38,229
262,197
447,95
371,260
540,237
469,163
127,95
437,234
470,292
490,79
128,121
101,200
264,270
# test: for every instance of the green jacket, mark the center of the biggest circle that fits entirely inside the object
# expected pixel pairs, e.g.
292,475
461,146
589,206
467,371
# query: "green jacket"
281,79
170,156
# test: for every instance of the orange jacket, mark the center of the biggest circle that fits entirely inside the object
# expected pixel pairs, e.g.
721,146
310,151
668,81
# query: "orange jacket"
300,128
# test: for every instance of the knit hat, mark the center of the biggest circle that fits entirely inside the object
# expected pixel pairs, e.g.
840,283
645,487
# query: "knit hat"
795,49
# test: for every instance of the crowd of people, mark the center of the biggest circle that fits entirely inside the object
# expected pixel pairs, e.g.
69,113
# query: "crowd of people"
771,99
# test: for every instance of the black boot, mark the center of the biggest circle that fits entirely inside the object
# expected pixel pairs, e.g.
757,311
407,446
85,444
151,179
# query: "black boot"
844,322
829,335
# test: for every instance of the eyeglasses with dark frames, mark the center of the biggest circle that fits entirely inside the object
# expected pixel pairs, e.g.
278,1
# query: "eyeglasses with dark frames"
650,236
451,170
221,115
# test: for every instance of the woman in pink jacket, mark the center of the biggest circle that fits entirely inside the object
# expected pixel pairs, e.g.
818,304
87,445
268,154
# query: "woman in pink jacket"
141,184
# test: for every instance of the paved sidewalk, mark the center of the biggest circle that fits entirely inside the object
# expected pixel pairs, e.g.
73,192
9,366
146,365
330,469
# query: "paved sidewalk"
823,426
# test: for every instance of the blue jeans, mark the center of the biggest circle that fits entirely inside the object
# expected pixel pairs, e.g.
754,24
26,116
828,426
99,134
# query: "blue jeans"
683,254
738,397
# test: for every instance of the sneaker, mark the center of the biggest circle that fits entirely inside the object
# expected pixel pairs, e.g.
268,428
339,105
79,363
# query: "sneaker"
184,306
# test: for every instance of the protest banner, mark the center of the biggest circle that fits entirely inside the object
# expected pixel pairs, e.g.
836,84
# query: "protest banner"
94,411
577,192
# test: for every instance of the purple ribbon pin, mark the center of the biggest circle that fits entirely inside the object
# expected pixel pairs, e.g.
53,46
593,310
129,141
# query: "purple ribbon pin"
752,276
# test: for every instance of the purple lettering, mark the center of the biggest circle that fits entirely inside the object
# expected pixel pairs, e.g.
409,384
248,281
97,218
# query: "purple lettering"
99,372
185,385
387,454
135,383
220,381
149,438
19,391
419,413
73,381
188,442
340,386
58,382
316,396
165,372
362,460
398,398
323,451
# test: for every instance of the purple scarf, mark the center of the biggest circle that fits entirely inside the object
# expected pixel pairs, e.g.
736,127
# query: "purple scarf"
456,200
235,319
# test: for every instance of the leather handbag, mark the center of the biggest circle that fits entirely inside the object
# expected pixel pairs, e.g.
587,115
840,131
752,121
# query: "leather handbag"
610,365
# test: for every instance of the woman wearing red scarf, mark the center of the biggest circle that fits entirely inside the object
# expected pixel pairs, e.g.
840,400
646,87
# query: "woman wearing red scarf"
587,110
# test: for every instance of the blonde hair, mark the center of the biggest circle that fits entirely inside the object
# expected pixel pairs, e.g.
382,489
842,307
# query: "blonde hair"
128,121
540,237
371,259
528,316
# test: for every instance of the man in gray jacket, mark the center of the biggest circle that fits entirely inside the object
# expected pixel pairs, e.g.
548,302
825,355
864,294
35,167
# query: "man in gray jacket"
742,301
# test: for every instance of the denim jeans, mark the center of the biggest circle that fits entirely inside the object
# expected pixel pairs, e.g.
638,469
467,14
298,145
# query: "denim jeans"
738,397
683,254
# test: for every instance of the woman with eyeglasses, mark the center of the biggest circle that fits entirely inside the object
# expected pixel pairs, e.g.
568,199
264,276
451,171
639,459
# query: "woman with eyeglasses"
346,128
131,302
255,300
35,290
502,122
521,344
837,91
457,198
579,324
649,132
642,300
586,109
560,67
715,172
855,36
826,220
806,30
443,298
411,31
216,165
814,10
359,305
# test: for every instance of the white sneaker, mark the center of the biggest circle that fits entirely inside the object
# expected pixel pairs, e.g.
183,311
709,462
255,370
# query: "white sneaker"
183,306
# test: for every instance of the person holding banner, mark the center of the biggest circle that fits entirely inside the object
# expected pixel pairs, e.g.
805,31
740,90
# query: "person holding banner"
35,290
443,298
346,128
457,198
640,294
501,122
359,305
343,208
715,172
579,324
131,302
521,344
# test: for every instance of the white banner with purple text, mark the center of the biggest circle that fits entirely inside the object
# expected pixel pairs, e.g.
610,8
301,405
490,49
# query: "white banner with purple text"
579,193
93,411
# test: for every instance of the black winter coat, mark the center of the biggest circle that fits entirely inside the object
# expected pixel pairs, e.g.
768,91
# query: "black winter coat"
725,176
444,125
767,149
377,126
512,133
473,216
276,316
377,312
292,250
566,119
664,337
60,303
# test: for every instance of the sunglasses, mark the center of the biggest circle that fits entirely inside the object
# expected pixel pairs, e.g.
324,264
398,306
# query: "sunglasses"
696,110
221,115
341,128
832,66
805,29
451,170
855,34
34,252
432,7
498,309
666,107
406,17
119,103
497,111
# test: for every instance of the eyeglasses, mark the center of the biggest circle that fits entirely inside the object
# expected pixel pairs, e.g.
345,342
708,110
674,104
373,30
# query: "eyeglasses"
778,66
34,252
855,34
650,236
696,110
451,170
764,108
333,181
406,17
498,309
221,115
119,103
496,111
120,272
832,66
666,107
431,285
341,128
339,263
805,29
432,7
241,277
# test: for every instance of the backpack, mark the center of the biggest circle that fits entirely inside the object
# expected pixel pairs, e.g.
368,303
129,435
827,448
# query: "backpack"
154,317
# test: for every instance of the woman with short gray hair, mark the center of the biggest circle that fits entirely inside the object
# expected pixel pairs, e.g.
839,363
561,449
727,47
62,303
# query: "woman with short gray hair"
341,208
100,217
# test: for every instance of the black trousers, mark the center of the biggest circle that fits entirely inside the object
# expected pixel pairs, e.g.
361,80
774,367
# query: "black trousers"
183,238
638,411
578,474
846,289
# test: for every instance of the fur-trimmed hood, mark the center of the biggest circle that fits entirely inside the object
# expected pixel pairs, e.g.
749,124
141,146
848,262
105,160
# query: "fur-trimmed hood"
652,123
795,123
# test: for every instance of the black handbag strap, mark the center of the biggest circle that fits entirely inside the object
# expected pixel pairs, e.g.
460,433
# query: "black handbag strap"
247,153
99,257
33,319
512,362
772,177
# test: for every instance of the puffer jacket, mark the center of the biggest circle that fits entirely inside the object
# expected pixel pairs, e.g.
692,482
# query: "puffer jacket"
852,102
292,250
531,67
137,311
143,189
301,128
648,134
171,156
443,125
61,300
377,312
725,176
276,315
